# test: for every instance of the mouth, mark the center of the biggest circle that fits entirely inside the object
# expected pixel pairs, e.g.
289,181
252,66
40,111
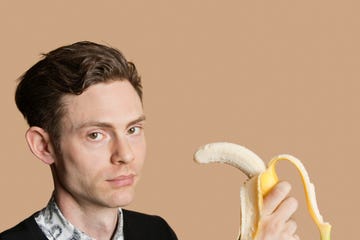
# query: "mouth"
122,181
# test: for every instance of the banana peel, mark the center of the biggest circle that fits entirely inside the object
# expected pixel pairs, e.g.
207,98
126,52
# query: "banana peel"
261,180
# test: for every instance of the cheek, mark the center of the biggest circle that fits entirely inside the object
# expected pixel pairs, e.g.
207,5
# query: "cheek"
81,173
81,160
140,153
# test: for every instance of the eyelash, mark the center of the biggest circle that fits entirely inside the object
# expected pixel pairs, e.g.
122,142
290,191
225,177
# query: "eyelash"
95,138
132,130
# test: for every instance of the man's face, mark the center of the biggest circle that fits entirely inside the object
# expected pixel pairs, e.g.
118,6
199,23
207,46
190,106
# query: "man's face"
102,146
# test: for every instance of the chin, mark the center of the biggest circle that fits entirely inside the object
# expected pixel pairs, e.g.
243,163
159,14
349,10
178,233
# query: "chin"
121,199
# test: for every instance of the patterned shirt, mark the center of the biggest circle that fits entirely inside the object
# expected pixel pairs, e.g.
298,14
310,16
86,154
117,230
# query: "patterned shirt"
55,226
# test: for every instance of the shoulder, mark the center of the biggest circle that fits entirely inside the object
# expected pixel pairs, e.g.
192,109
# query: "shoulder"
145,226
27,229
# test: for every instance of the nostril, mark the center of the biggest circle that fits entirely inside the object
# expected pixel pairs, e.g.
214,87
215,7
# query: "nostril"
128,157
122,152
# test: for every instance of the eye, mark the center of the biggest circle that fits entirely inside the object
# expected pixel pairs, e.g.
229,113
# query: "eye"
95,136
134,130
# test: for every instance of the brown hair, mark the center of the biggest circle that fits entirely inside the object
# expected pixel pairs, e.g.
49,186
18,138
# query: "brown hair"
69,69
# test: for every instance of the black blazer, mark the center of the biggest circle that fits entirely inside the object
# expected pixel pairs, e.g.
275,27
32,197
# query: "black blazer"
137,226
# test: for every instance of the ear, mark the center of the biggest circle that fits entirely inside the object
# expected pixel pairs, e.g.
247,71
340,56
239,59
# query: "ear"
40,145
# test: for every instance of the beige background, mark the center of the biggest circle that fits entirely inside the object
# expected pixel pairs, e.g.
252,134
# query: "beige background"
276,76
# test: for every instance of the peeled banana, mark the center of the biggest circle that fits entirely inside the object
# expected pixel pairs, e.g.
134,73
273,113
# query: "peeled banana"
259,183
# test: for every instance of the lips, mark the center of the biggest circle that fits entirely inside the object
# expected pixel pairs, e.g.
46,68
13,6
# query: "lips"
122,181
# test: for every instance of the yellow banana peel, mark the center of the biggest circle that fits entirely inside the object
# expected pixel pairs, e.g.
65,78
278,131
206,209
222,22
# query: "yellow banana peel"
261,180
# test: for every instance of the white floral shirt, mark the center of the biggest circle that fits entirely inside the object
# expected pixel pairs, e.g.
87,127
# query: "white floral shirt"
55,226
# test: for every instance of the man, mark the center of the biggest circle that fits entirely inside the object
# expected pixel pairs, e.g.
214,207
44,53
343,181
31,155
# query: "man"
83,103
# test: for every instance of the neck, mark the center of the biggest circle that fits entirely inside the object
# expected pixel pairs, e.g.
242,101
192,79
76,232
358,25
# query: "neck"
97,222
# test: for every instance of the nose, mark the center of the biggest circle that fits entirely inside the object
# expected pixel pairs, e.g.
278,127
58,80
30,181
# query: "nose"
122,152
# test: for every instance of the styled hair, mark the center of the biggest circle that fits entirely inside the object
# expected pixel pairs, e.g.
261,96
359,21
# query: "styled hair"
67,70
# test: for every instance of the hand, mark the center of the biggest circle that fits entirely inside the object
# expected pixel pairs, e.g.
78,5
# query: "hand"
276,222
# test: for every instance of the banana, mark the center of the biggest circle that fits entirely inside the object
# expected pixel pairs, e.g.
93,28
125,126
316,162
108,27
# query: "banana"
259,183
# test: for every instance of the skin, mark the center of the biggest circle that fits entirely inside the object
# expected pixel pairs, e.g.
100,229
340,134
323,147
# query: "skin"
278,208
102,153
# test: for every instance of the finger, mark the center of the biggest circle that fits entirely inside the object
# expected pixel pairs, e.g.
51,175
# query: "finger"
275,197
286,209
290,237
291,227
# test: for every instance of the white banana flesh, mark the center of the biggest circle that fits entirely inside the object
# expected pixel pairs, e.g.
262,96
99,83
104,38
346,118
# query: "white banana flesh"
260,181
237,156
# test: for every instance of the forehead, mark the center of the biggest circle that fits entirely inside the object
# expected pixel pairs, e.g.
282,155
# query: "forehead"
115,102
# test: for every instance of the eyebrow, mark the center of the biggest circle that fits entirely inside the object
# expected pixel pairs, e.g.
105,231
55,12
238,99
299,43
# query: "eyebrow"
108,125
138,120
